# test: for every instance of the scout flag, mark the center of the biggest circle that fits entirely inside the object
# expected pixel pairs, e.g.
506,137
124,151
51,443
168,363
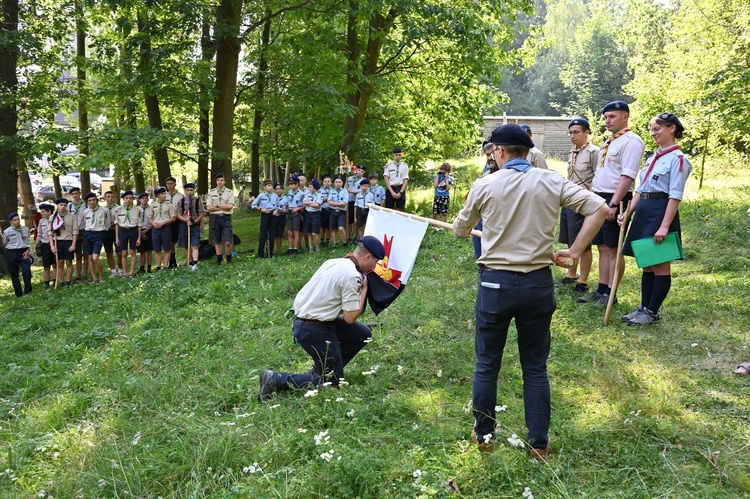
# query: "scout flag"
401,237
57,222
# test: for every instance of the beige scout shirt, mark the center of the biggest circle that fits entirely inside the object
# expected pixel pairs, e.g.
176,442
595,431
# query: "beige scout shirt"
334,287
215,198
175,198
145,214
77,210
128,218
197,208
162,211
69,228
43,230
16,238
582,173
97,220
519,213
536,158
623,157
396,173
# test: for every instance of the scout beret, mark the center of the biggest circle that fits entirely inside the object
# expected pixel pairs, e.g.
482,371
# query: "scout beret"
220,175
143,195
61,200
364,181
315,183
374,246
159,190
526,127
75,189
46,207
511,135
12,216
672,118
396,150
89,195
339,177
325,176
189,185
278,184
617,105
126,193
294,179
582,122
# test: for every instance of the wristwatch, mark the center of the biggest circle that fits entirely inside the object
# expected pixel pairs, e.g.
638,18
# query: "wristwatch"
611,205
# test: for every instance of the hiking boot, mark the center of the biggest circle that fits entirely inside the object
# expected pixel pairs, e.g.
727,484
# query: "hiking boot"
632,315
591,297
580,288
565,281
645,318
486,445
604,300
268,385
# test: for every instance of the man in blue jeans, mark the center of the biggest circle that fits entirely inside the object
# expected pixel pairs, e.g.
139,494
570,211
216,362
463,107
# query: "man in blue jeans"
518,207
325,322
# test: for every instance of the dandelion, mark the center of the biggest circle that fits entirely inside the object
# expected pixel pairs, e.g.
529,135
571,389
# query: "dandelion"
301,430
500,408
350,414
254,468
136,438
417,473
515,441
322,438
527,493
311,393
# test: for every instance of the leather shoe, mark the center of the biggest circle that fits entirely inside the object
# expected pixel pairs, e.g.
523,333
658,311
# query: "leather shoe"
268,385
537,453
488,446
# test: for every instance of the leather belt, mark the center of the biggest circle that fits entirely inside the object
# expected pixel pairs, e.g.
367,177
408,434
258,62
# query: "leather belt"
653,195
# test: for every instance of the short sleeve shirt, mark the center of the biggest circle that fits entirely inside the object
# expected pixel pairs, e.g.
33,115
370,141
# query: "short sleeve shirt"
16,238
396,173
623,157
215,198
128,218
77,210
669,174
316,197
536,158
162,211
334,287
582,172
353,183
97,220
69,228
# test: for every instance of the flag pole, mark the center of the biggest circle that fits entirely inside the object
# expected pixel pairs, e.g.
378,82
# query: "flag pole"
436,223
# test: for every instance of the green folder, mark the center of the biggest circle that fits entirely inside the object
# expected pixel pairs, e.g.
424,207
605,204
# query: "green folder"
648,253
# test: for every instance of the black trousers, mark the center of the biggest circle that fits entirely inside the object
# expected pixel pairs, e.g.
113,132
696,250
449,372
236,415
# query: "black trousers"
267,235
16,262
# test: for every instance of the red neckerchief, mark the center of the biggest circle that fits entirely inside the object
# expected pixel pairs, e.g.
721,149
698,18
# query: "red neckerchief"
659,154
612,138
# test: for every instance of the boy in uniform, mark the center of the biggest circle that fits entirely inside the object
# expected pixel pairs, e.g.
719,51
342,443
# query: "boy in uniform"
191,212
175,197
76,207
360,205
377,191
128,232
280,215
220,203
145,248
42,243
110,248
163,215
313,200
396,177
338,199
97,226
266,202
16,242
325,211
352,187
294,219
66,239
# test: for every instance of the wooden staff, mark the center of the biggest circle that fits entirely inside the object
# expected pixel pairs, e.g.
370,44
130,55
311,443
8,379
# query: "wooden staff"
615,282
436,223
57,261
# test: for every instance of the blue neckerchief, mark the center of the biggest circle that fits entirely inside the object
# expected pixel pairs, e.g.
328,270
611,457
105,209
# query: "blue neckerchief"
519,164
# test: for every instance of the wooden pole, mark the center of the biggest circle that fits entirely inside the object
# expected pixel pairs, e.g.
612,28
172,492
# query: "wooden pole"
437,223
615,282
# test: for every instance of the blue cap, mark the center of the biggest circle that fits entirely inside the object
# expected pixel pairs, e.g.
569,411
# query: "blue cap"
278,184
396,150
325,176
220,175
12,216
159,190
143,195
294,179
364,181
191,185
374,246
126,193
511,135
61,200
617,105
74,189
89,195
582,122
315,183
46,207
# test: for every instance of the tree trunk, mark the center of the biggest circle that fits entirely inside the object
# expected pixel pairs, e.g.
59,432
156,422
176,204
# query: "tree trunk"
58,187
8,114
349,143
208,50
259,107
83,117
27,195
152,101
228,44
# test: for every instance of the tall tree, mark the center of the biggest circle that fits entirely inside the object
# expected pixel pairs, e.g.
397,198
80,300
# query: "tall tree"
9,49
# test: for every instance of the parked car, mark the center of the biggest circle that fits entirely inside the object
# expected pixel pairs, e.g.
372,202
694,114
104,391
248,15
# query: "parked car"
46,192
96,180
35,177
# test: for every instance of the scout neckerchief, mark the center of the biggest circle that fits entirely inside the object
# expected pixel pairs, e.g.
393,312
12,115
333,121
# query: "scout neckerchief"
77,206
127,212
351,257
659,154
161,205
611,139
572,168
519,164
110,207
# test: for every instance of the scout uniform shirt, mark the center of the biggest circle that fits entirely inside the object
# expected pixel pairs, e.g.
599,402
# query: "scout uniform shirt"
77,210
378,194
295,199
582,165
334,287
43,230
282,206
536,158
145,214
197,207
316,197
97,220
622,157
266,201
363,199
338,196
16,238
215,198
161,211
396,173
128,218
175,198
69,228
666,171
352,182
325,193
112,211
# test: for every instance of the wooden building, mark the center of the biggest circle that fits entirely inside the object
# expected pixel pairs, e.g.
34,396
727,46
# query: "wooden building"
550,133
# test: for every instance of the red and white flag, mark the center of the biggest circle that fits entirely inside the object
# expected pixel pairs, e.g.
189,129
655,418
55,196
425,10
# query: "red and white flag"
401,238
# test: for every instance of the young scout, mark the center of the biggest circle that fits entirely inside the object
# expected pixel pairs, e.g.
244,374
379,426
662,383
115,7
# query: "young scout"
163,215
352,187
325,211
313,200
128,232
266,202
396,178
174,197
338,199
76,207
16,243
191,212
66,239
110,248
304,234
42,243
280,215
294,219
360,205
220,203
145,248
97,226
378,191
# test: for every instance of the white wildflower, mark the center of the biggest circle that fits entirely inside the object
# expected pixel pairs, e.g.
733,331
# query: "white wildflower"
275,406
515,441
311,393
694,345
350,414
500,408
327,383
136,438
399,368
301,430
327,456
102,482
417,473
415,426
42,493
340,399
254,468
440,373
322,438
527,493
469,407
487,437
342,382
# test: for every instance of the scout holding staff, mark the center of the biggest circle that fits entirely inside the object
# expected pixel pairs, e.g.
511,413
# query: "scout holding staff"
162,216
190,212
145,248
65,227
128,232
76,207
42,244
110,248
16,242
174,197
220,203
97,226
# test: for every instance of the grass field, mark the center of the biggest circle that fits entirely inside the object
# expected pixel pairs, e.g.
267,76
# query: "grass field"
147,387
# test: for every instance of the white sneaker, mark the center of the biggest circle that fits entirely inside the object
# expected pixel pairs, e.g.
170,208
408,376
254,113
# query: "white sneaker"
194,267
113,273
119,272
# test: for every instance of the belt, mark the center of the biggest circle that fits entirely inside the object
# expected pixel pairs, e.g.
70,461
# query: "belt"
313,321
487,269
653,195
604,194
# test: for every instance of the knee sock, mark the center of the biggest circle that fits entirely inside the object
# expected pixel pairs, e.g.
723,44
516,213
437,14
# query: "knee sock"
647,286
659,292
218,258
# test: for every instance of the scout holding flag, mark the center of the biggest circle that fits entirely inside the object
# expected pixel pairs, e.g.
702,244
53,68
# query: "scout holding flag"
65,230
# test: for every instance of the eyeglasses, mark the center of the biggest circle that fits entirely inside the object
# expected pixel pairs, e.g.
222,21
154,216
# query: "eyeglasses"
489,153
574,132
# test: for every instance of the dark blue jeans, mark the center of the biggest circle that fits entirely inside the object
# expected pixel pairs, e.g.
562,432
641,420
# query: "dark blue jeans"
16,262
267,235
331,345
530,300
